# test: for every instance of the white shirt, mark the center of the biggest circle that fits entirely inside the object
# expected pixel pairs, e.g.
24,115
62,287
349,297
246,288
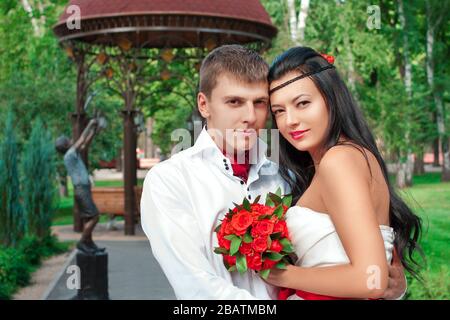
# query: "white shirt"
184,199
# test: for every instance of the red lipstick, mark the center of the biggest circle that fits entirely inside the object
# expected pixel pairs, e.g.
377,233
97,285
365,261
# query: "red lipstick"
296,135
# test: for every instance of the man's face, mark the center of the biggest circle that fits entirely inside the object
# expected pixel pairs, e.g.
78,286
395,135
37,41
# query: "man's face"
235,112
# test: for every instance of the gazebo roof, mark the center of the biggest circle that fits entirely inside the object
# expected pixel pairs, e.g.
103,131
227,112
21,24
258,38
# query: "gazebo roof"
175,23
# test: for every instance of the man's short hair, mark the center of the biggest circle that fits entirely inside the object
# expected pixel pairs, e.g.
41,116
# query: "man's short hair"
240,62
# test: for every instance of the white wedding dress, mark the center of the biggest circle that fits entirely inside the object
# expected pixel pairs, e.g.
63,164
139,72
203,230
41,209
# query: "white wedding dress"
316,241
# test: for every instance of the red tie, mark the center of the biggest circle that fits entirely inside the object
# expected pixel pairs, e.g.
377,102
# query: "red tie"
240,170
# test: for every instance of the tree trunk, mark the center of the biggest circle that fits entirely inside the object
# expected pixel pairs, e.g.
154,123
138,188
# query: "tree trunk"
119,160
436,152
302,15
446,160
401,175
446,163
440,121
297,24
419,165
292,20
407,78
34,22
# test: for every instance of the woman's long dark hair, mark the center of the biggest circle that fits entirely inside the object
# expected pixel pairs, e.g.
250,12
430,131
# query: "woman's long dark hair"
345,120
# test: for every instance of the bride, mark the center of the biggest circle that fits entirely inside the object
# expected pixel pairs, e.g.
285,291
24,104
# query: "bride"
347,218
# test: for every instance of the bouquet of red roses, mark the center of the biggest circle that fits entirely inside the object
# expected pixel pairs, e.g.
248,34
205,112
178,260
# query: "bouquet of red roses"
254,236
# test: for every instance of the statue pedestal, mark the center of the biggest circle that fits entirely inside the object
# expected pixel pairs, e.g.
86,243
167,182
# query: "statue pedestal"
93,276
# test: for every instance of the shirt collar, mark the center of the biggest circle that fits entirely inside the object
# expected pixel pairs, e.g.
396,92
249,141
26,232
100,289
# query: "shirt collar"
208,149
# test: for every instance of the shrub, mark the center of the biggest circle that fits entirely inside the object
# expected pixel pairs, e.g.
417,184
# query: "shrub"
12,220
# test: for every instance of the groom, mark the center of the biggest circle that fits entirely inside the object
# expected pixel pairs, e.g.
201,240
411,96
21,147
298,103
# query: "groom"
184,197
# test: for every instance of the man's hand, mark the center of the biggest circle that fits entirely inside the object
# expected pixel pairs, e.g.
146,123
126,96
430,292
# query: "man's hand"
397,280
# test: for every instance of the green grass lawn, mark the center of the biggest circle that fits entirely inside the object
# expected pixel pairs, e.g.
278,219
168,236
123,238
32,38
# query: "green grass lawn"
63,215
429,198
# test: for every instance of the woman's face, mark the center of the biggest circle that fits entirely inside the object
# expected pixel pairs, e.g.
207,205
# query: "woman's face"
300,112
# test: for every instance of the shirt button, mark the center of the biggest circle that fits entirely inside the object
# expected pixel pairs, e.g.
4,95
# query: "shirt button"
242,182
249,197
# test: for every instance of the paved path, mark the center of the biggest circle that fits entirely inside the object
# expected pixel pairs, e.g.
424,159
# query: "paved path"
133,272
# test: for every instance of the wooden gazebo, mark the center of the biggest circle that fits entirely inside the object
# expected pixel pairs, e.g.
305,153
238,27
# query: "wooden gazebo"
124,31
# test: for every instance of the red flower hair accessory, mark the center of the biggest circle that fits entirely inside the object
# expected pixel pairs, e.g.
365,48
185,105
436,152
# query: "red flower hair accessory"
327,57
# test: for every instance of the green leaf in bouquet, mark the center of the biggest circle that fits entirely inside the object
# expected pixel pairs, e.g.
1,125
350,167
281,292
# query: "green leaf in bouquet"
287,200
264,216
274,256
238,206
281,265
232,268
247,238
257,199
275,198
276,235
220,250
241,263
231,237
264,273
269,241
278,192
290,258
269,202
278,211
235,243
246,205
287,245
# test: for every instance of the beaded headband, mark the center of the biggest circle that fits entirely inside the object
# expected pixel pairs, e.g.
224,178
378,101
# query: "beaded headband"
330,60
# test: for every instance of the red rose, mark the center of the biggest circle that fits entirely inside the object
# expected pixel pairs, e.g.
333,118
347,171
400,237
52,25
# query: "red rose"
245,248
263,227
231,260
226,228
241,221
259,209
280,226
268,264
254,261
224,243
276,246
260,244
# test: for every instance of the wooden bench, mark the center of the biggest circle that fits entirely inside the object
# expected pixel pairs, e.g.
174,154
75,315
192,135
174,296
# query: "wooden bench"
111,200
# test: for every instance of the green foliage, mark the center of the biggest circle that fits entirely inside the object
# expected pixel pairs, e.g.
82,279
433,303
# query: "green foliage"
39,192
12,219
14,268
16,264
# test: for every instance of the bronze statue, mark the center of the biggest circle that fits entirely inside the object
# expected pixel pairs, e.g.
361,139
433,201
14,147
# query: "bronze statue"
80,179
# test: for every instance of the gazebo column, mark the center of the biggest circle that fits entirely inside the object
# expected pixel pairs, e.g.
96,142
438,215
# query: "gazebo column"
129,169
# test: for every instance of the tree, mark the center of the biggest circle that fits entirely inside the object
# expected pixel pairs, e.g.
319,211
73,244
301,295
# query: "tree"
406,159
437,13
38,184
297,23
12,219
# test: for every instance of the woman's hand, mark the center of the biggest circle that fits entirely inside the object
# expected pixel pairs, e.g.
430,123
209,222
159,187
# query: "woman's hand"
279,277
